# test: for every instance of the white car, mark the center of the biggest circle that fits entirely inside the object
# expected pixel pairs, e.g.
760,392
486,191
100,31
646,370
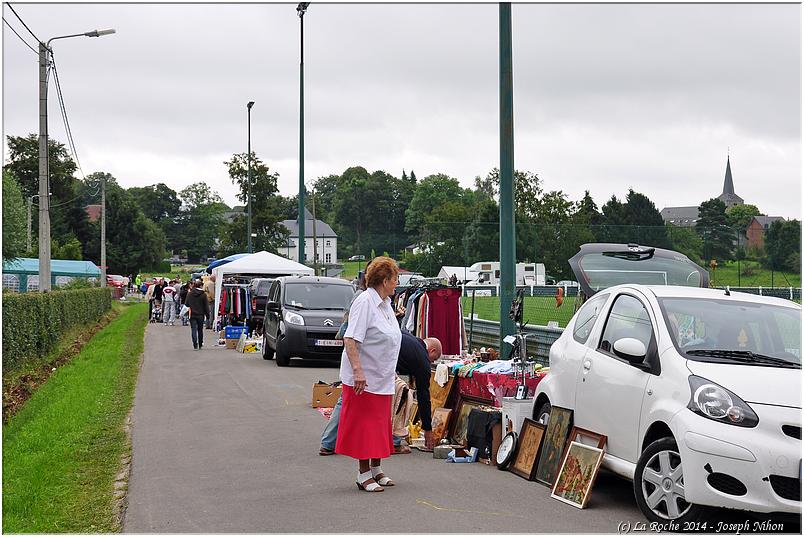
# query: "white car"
698,390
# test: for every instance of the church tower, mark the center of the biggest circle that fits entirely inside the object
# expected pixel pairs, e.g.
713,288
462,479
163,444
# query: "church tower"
728,196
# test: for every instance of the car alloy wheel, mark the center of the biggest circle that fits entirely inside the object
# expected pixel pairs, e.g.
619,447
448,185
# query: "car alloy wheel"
659,484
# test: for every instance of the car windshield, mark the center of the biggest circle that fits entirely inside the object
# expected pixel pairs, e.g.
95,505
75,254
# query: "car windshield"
319,296
734,331
605,269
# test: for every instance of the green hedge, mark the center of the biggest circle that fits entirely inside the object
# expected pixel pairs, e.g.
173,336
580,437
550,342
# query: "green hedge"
34,322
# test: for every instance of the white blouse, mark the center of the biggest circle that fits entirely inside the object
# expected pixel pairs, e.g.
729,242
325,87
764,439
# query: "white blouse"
372,323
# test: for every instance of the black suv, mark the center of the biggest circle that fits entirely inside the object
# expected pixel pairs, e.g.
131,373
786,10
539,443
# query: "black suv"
259,296
302,317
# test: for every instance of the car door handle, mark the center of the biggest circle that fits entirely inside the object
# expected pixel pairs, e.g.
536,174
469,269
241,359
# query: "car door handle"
587,365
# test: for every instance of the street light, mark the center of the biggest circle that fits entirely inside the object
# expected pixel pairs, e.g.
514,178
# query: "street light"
301,9
44,199
248,188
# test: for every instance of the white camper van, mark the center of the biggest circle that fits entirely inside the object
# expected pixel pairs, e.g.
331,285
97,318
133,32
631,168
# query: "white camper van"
488,273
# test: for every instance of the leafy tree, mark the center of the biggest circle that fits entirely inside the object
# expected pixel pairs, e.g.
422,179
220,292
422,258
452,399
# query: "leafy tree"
404,175
637,220
482,238
739,216
527,190
201,219
158,202
686,241
586,211
432,192
14,219
348,214
267,206
70,250
713,227
485,188
413,177
783,245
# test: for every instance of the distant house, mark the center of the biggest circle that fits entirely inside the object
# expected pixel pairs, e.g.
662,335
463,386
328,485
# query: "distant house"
325,238
688,216
236,211
755,232
93,212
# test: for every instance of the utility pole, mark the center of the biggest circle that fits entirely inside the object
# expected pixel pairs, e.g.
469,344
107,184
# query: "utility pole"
301,9
103,231
507,229
44,198
30,202
315,239
248,189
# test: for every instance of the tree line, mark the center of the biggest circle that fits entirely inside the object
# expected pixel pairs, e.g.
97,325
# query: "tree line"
441,221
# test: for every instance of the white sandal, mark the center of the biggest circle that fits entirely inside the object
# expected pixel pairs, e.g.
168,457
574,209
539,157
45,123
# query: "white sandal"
380,477
365,481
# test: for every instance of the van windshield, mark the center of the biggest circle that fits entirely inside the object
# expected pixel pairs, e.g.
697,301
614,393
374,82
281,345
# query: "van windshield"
318,296
734,331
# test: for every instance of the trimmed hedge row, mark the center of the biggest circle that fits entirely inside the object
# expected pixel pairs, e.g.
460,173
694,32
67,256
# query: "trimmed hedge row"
34,322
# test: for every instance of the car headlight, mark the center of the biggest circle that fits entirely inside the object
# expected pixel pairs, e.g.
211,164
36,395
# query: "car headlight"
715,402
294,318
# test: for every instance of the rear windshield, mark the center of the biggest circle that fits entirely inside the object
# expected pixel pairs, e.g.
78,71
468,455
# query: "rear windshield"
700,325
319,296
263,287
604,270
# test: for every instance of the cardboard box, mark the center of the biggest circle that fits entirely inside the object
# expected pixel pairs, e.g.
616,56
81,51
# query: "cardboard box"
325,395
231,343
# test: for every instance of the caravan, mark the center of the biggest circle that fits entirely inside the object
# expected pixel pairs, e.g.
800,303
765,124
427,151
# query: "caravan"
488,273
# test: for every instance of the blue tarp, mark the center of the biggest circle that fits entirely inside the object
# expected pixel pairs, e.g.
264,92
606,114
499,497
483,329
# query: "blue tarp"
58,267
223,261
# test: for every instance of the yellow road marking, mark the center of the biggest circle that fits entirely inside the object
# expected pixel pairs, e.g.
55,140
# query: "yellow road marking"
439,508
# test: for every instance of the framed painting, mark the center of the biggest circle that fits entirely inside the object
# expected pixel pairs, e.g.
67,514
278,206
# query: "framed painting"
577,474
528,447
460,423
588,438
440,423
438,394
558,428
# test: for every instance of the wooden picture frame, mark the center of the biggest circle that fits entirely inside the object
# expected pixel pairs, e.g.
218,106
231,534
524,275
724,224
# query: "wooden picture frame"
440,395
558,429
441,418
577,475
587,437
460,422
528,447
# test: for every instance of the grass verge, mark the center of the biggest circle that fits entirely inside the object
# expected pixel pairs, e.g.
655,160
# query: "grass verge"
62,450
538,309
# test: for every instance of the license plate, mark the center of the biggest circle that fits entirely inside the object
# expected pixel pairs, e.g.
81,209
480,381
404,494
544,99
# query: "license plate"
329,342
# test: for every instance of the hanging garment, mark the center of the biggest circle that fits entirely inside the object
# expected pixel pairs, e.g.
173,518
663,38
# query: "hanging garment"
443,319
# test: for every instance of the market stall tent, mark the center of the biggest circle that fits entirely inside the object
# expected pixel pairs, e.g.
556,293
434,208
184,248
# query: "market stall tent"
261,264
18,272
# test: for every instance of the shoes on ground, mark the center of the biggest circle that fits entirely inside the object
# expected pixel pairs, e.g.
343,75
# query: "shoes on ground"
401,450
326,451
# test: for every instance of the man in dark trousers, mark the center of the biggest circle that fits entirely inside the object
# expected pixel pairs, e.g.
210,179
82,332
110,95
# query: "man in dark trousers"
199,309
415,357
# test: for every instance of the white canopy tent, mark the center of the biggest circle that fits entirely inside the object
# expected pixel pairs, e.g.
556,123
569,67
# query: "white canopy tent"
260,264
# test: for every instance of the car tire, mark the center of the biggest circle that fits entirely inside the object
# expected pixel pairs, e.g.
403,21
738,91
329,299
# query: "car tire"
542,415
282,359
267,352
659,484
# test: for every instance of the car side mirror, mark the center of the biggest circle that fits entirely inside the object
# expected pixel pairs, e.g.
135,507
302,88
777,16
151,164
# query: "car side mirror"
630,349
274,307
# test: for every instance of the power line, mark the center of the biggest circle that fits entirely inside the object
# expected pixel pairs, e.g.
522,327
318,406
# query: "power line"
67,128
23,23
18,35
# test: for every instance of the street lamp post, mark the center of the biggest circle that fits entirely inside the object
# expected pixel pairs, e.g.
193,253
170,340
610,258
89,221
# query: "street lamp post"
301,9
248,188
44,198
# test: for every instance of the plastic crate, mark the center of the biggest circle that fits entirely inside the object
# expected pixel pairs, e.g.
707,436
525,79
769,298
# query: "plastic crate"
233,332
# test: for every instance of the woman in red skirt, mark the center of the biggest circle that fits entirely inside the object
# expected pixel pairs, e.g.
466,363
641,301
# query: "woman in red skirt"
368,363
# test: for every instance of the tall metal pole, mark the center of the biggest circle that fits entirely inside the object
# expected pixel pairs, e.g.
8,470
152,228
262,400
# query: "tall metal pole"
103,231
507,230
302,7
44,198
315,238
28,244
248,188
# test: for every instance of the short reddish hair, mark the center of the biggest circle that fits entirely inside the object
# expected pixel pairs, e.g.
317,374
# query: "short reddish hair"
380,269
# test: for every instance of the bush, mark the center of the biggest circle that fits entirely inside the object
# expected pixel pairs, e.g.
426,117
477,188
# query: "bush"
34,322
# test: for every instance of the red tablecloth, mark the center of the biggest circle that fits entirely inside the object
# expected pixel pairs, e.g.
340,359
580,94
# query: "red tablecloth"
494,386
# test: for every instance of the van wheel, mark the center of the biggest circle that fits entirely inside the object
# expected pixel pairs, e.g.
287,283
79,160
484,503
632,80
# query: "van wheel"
282,359
659,484
267,352
543,414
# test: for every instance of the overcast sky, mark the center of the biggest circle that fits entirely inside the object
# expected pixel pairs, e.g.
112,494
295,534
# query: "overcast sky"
606,97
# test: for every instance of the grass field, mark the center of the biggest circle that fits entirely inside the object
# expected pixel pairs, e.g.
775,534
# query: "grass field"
62,450
538,310
752,275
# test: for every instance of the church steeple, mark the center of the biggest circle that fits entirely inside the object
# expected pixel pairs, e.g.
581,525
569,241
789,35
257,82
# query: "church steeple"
728,196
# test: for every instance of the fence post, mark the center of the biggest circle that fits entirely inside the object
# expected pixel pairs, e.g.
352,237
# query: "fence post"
791,293
760,290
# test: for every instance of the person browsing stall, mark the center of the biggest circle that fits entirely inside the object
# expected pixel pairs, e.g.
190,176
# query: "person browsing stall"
371,346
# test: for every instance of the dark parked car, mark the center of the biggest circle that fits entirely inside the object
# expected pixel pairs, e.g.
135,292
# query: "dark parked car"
259,296
302,317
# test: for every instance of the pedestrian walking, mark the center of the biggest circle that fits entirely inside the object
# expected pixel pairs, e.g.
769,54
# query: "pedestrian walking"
177,290
199,307
185,288
169,305
138,283
209,289
149,296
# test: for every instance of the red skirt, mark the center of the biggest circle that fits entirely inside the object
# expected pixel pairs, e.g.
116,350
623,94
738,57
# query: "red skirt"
364,428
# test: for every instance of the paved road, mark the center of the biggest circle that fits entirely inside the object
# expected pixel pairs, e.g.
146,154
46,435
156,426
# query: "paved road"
225,442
